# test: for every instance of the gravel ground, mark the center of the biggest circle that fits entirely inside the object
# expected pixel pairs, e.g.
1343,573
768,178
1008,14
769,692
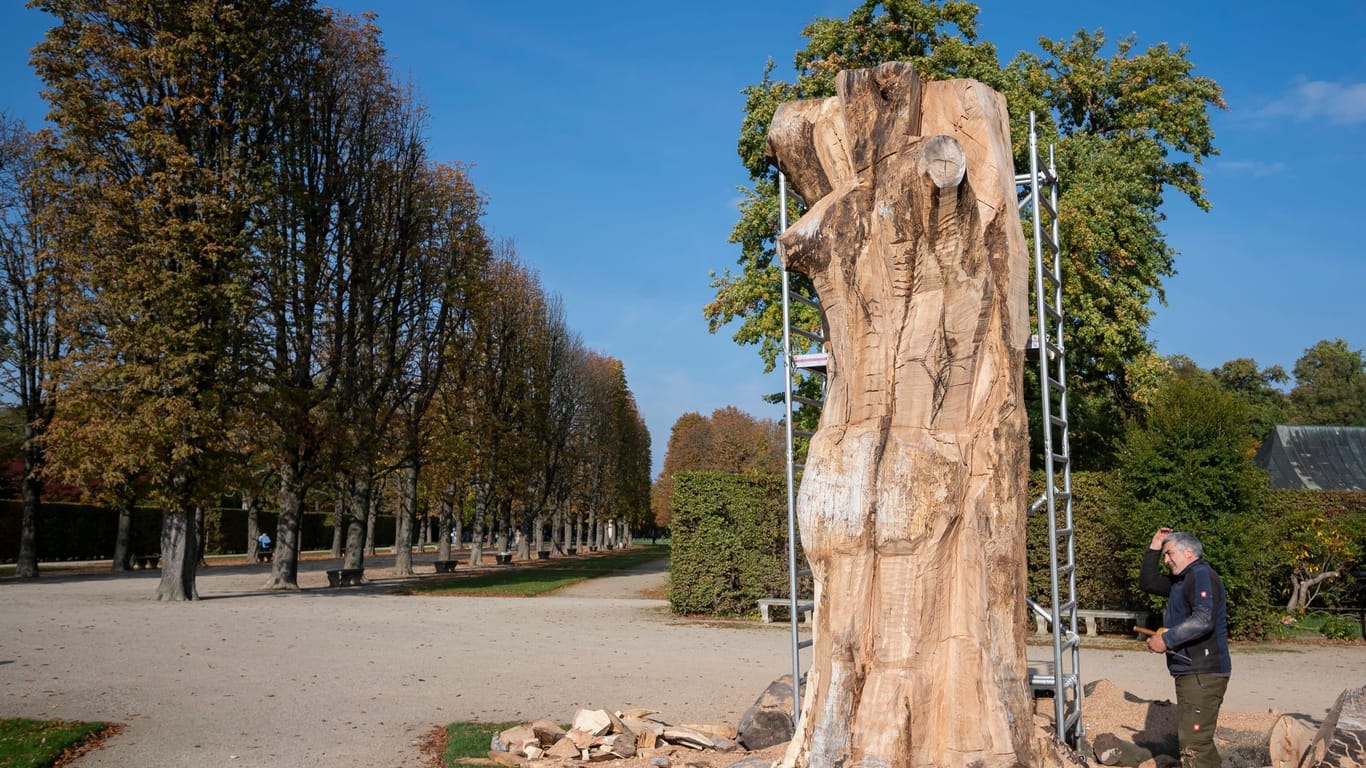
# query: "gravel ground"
356,676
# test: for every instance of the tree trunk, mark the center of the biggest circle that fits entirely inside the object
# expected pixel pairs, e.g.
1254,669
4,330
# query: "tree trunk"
371,514
912,503
179,554
201,535
405,519
481,503
26,566
253,510
124,504
339,517
359,521
284,564
445,531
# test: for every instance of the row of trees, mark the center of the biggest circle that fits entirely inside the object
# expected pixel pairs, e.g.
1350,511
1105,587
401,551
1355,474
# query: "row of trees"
232,267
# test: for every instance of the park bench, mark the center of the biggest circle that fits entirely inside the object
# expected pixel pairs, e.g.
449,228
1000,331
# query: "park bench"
503,558
265,555
444,566
543,554
346,577
767,604
1092,615
145,561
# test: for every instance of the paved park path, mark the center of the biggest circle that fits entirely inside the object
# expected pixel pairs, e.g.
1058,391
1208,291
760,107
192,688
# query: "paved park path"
353,677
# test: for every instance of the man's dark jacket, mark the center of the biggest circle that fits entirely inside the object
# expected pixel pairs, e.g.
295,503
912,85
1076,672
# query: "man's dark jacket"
1196,617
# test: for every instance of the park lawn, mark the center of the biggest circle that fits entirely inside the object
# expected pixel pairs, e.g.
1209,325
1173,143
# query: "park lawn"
28,743
466,741
540,576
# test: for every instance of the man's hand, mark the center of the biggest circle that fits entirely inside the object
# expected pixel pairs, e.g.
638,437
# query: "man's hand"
1156,644
1161,534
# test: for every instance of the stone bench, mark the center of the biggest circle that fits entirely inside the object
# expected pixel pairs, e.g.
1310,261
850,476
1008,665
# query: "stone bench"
346,577
767,605
1091,615
444,566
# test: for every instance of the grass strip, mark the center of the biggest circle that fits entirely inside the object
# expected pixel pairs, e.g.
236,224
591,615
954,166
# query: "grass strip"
28,743
470,740
538,577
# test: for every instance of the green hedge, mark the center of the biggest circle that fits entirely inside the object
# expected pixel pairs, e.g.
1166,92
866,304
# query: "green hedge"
729,542
730,534
86,532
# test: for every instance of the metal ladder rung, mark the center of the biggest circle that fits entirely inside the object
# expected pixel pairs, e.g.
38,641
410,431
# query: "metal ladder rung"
1048,236
816,337
807,401
1056,386
804,644
1052,313
804,300
802,433
1047,205
1059,458
1057,421
1050,276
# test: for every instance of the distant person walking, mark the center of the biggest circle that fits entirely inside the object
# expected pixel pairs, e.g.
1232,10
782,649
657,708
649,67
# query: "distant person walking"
1195,638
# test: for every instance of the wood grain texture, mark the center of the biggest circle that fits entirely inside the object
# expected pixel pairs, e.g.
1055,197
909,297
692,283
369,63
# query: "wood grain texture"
913,500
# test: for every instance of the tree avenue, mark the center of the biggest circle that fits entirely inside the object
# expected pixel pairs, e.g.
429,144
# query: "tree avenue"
269,290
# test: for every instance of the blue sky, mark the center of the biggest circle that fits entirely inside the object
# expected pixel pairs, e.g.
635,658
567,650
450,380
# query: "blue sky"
603,134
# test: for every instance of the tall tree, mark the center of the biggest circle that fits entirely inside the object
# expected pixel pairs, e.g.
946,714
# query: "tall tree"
1126,128
1330,386
453,253
1186,463
30,334
161,107
1257,387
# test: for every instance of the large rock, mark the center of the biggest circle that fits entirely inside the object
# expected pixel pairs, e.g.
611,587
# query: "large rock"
1341,739
769,720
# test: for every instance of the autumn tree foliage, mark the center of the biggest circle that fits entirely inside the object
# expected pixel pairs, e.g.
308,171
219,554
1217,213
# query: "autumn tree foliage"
161,110
729,440
269,289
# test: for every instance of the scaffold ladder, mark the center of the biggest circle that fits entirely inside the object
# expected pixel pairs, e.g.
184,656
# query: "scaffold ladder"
1039,201
795,367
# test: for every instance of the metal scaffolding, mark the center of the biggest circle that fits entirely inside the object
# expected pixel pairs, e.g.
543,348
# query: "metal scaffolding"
1038,193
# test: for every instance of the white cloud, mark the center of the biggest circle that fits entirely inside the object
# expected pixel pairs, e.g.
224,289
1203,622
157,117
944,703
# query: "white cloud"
1336,103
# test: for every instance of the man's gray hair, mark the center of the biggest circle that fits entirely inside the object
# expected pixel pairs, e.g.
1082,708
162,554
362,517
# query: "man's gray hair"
1183,540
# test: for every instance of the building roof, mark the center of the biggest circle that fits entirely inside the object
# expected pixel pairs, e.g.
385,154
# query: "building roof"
1315,458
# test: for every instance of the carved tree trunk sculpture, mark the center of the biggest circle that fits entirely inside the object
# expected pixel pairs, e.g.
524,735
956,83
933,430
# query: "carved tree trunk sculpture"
912,505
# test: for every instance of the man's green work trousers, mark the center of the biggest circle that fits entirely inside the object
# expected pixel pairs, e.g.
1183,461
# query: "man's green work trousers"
1198,698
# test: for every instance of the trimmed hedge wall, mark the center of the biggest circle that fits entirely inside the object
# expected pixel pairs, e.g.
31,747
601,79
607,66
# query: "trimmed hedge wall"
730,539
86,532
729,542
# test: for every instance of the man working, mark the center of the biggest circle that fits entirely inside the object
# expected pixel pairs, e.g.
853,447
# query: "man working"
1195,640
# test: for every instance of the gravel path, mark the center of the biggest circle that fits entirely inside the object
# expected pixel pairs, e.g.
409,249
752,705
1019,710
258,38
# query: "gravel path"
354,677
